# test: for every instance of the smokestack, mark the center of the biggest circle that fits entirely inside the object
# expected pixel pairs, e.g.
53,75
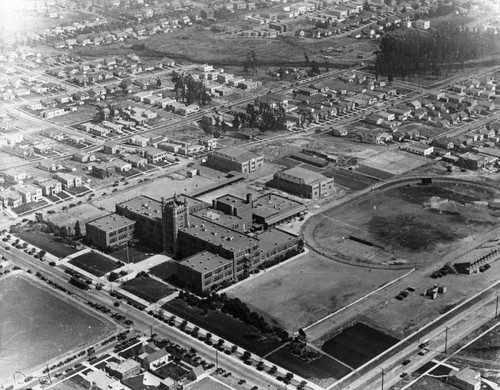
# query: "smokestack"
249,200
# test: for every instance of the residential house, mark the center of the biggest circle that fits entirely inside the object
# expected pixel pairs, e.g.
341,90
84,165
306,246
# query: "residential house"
83,157
28,192
419,148
110,147
153,155
68,180
374,137
49,187
471,161
136,161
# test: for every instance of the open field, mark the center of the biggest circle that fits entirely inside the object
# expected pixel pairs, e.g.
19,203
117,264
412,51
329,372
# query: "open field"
308,288
84,113
406,224
38,325
225,326
94,263
46,242
149,289
394,162
232,49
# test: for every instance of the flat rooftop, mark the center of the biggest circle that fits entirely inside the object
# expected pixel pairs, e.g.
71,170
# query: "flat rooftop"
308,176
231,199
272,238
273,205
111,222
216,234
205,262
151,208
143,205
217,216
236,154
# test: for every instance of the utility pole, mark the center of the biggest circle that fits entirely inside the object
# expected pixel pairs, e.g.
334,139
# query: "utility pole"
446,340
216,359
496,309
382,386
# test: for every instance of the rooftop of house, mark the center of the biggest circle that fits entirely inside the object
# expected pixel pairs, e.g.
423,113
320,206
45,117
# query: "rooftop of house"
124,366
471,156
205,262
467,375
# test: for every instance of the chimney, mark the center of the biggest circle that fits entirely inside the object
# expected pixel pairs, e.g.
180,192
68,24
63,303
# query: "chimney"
249,200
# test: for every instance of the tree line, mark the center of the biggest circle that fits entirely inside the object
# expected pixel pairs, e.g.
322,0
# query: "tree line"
447,46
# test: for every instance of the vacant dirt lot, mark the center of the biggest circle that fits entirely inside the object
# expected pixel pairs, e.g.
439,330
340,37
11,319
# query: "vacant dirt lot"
83,213
156,189
307,289
407,224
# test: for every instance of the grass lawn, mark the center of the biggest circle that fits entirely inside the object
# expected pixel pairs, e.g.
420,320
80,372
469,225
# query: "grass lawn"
429,383
24,208
46,242
135,254
324,370
164,270
78,190
94,263
358,344
224,326
148,289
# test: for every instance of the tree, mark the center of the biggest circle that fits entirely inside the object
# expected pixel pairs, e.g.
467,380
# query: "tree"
78,230
315,71
63,232
203,14
366,6
113,276
302,333
42,254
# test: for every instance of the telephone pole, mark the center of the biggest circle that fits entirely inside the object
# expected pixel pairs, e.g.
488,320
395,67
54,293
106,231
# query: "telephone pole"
446,340
496,309
382,385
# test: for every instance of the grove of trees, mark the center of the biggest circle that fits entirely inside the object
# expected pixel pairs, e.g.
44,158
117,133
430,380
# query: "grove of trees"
444,47
190,90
